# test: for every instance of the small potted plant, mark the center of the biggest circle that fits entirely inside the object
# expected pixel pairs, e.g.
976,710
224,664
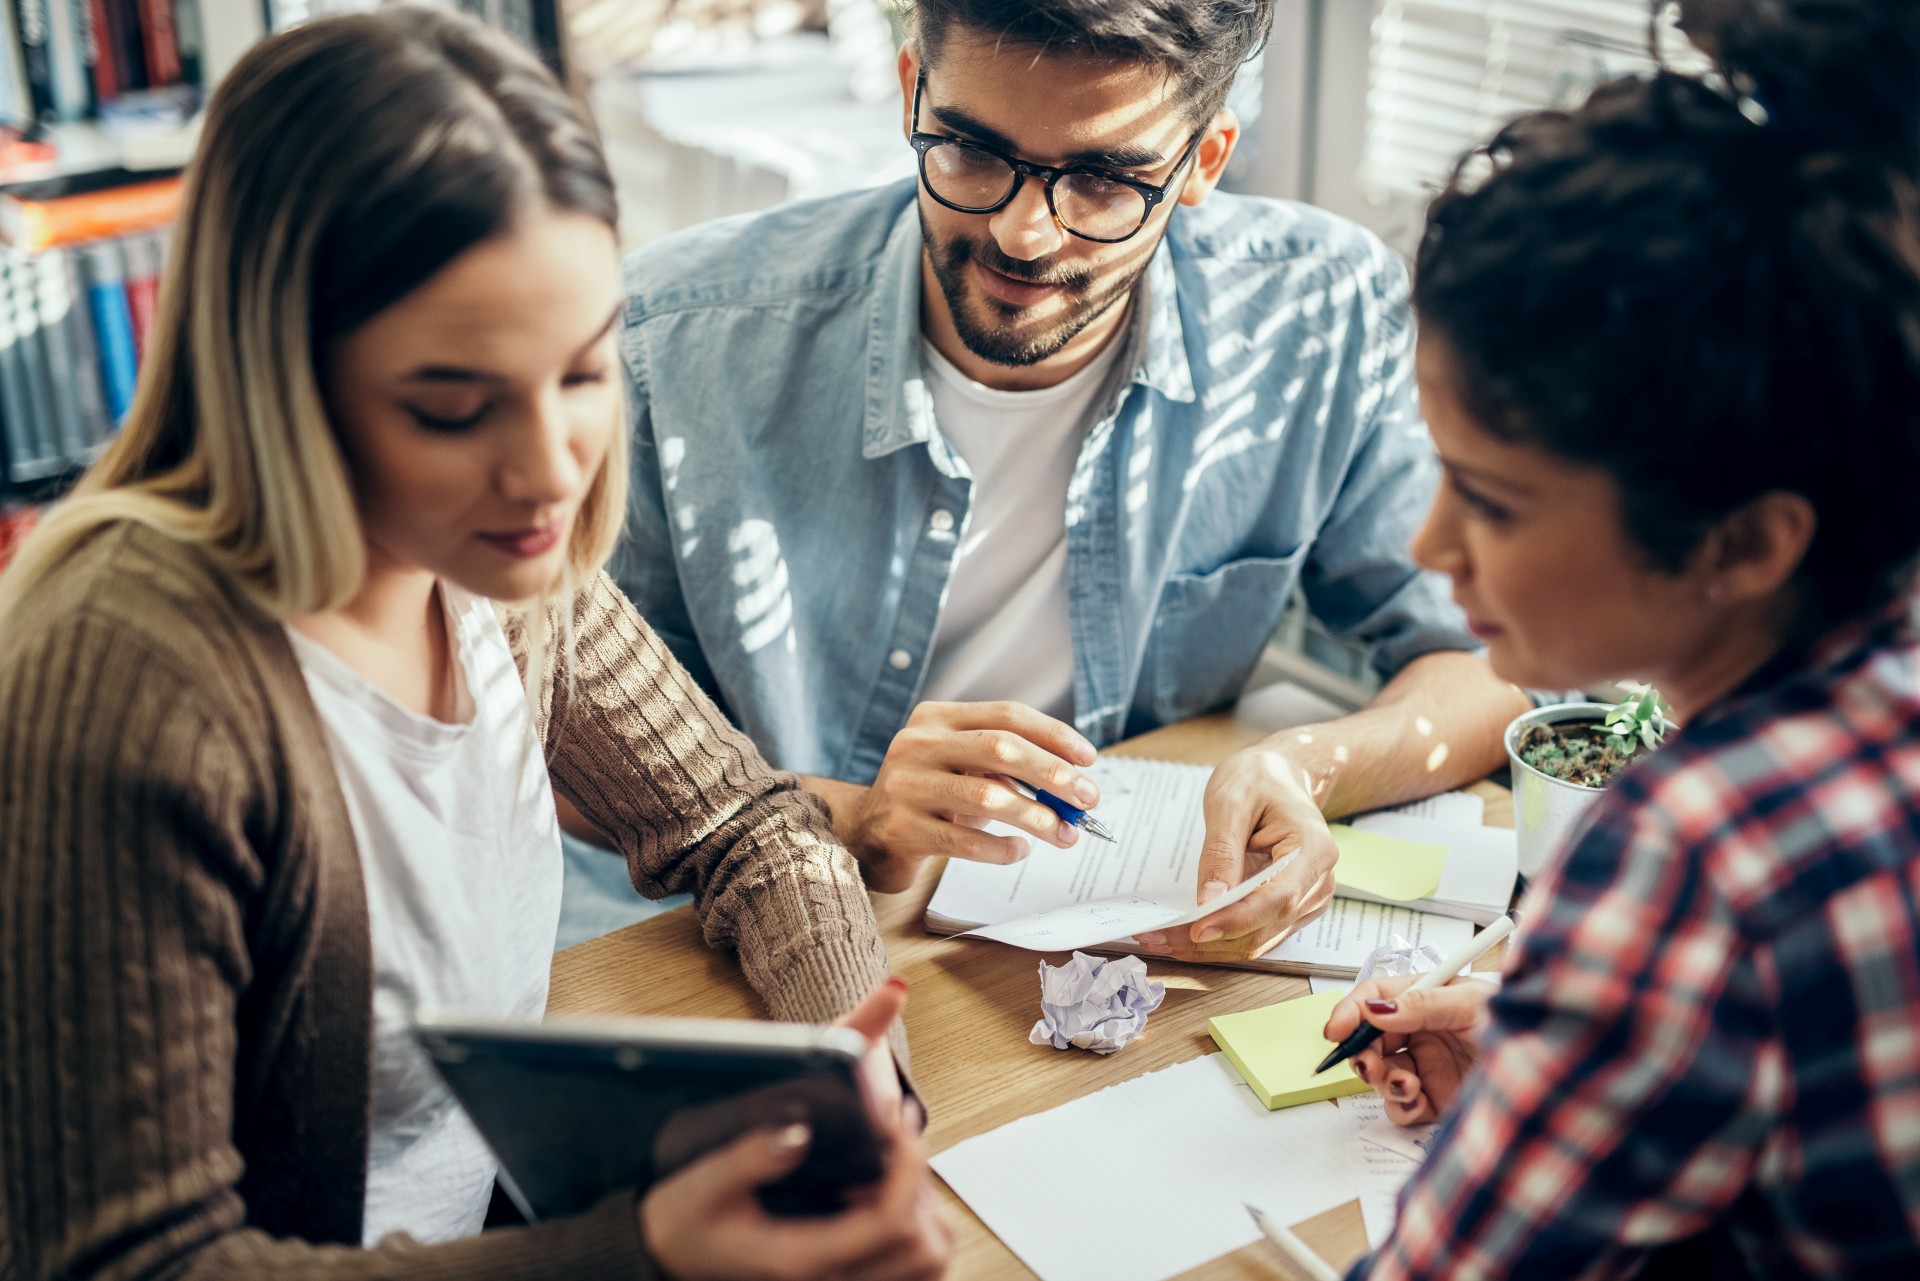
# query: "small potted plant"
1564,754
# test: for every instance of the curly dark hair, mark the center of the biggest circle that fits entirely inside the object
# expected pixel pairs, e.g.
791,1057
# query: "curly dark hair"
1202,43
1706,306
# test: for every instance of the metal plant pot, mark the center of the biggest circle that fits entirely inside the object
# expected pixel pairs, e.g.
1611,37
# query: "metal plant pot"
1544,807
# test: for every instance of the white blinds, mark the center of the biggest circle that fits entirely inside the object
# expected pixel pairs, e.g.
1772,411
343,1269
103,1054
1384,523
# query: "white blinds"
1445,73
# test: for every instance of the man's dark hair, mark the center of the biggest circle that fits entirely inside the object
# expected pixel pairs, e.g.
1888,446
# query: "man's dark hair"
1202,44
1710,299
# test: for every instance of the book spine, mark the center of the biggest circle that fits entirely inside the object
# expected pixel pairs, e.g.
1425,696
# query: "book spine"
96,215
36,55
39,430
190,40
160,42
86,349
123,36
112,324
54,302
68,53
16,104
106,71
17,441
142,256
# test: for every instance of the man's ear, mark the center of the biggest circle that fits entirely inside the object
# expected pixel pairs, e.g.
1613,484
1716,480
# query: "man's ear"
1753,554
909,62
1211,156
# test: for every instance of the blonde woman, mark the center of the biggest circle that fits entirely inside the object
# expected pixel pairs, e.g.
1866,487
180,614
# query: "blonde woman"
268,770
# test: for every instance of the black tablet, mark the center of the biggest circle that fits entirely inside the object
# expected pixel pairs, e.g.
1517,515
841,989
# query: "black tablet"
579,1108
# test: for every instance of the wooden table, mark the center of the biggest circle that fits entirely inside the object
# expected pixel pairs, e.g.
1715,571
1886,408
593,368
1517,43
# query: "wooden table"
971,1005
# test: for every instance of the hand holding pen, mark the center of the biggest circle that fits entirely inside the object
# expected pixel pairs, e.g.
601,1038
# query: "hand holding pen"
949,772
1419,1036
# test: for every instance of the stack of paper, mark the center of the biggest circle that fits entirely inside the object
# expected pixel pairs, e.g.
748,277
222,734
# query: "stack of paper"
1277,1047
1097,895
1479,869
1150,1178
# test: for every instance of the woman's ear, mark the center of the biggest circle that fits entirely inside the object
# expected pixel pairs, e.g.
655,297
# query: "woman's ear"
1211,156
1753,553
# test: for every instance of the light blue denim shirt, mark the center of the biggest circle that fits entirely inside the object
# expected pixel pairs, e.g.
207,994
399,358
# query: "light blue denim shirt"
796,511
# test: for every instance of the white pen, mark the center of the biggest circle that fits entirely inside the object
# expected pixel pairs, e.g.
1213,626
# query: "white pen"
1439,976
1293,1247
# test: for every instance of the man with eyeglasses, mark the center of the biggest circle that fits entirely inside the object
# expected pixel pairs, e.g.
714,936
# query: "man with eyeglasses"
941,486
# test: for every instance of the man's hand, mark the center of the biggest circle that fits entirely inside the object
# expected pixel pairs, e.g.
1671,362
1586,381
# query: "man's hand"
949,773
1258,810
1431,1038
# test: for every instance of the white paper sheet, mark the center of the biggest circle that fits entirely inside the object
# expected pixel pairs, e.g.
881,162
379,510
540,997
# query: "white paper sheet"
1149,1178
1379,1172
1090,924
1154,808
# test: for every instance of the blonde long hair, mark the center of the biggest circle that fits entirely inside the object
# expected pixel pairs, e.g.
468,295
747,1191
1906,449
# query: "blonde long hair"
343,164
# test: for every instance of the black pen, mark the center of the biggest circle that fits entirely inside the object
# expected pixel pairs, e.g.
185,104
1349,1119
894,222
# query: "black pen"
1439,976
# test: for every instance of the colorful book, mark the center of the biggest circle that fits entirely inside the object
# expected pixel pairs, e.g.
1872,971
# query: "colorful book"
36,54
160,42
35,430
70,59
57,306
105,274
1276,1048
16,104
141,257
95,215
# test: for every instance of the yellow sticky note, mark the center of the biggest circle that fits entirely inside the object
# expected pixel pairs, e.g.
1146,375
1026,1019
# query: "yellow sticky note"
1275,1049
1387,867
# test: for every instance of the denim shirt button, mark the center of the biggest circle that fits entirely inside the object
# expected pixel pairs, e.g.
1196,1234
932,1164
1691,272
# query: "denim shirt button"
900,660
942,522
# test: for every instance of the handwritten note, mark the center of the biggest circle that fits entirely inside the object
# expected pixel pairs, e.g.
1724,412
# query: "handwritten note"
1379,1171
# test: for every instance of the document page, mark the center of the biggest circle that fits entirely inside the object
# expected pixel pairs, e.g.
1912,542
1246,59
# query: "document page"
1154,807
1150,1178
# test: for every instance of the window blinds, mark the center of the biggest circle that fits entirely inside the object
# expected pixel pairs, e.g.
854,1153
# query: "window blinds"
1445,73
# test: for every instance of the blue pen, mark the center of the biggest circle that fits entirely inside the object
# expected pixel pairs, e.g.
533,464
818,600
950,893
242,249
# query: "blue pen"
1075,817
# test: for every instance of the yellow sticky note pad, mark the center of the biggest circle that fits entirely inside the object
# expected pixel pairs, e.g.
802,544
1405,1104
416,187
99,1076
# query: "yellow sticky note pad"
1275,1049
1387,867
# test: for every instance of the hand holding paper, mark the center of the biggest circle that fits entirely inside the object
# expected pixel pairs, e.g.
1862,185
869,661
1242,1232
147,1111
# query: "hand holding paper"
1079,925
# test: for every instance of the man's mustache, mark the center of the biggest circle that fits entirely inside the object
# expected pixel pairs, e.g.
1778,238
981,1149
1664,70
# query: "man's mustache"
1029,273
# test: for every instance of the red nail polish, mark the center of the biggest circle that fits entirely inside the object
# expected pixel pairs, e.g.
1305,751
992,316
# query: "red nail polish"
1383,1007
894,980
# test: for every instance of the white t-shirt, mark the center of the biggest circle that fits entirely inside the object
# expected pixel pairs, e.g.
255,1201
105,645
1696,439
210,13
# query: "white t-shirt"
460,848
1004,631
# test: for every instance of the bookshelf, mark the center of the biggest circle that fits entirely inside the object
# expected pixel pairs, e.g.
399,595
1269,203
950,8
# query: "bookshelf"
89,165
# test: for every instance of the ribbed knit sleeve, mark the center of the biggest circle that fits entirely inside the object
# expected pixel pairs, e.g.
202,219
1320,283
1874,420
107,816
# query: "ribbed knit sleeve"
146,926
644,754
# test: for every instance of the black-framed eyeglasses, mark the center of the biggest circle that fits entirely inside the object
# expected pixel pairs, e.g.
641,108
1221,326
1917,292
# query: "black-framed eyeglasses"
1093,204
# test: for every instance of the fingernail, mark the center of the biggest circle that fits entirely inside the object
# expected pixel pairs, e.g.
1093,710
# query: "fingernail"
1213,890
895,981
1383,1007
1068,833
1086,793
1359,1069
1208,933
792,1138
1397,1090
1151,940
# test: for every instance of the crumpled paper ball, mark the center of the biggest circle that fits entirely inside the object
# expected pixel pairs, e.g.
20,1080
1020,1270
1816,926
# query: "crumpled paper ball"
1095,1004
1398,960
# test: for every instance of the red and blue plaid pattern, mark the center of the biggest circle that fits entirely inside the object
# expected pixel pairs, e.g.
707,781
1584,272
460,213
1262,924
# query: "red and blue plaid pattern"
1706,1054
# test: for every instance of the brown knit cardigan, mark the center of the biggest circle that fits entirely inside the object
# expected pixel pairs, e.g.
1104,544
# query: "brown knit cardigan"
185,972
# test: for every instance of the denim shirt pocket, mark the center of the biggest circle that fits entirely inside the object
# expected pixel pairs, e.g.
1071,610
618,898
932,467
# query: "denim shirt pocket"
1208,633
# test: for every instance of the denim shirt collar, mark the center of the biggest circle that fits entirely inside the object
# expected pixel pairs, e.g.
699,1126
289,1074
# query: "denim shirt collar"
899,406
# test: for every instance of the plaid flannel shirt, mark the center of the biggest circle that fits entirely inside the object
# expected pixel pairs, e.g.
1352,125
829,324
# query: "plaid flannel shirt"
1707,1047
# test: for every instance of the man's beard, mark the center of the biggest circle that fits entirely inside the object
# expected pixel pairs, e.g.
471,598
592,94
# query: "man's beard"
1088,299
